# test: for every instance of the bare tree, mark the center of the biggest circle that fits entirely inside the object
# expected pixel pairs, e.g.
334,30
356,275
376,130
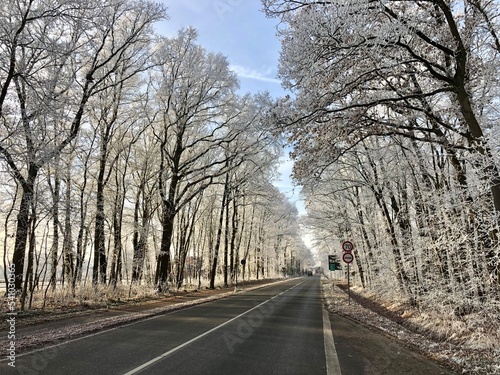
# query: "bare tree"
58,58
197,104
421,70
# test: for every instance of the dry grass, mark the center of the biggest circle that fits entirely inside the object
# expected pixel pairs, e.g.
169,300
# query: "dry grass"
469,342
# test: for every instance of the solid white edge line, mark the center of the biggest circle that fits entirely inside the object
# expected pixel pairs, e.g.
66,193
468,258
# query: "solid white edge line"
332,360
166,354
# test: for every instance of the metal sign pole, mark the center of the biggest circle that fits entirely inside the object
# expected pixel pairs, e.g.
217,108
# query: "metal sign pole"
348,246
348,284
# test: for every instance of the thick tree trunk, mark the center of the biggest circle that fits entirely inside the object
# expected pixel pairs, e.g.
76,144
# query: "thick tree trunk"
7,235
163,261
22,226
168,217
168,197
28,281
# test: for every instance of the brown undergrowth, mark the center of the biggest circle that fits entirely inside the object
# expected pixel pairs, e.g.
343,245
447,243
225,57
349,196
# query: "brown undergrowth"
465,343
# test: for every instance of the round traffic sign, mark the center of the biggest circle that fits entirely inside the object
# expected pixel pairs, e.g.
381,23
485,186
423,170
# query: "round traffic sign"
347,257
347,246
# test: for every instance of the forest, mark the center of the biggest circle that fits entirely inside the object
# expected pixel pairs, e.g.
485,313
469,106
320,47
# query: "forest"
130,164
394,126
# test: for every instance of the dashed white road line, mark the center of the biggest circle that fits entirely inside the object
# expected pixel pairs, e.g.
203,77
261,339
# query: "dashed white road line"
166,354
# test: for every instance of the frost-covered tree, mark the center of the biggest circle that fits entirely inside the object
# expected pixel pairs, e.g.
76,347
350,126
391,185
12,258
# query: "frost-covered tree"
424,71
197,110
144,146
55,56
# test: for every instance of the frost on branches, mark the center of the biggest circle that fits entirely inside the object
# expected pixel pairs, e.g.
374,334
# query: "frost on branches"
394,126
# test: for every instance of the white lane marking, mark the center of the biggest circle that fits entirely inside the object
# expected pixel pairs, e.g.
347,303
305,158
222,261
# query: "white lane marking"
332,360
166,354
145,319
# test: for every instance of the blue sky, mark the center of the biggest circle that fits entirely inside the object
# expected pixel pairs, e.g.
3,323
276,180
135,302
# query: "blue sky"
240,31
237,29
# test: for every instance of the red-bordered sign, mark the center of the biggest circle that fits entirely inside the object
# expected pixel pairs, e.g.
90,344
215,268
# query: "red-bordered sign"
347,257
347,246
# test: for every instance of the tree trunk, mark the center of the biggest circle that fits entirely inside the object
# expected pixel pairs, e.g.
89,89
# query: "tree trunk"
56,190
68,266
28,281
226,238
490,170
100,265
234,249
366,240
186,237
213,271
6,236
140,234
22,228
401,275
168,217
249,241
77,275
116,262
163,261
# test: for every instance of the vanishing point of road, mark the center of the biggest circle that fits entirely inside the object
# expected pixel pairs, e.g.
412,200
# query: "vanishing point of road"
280,329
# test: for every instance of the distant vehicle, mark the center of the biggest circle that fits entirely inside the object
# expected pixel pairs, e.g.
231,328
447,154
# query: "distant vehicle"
309,273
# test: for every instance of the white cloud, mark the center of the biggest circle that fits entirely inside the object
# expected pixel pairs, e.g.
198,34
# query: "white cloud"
245,72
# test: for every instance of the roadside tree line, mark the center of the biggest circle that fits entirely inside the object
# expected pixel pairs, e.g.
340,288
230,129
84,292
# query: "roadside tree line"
128,158
394,123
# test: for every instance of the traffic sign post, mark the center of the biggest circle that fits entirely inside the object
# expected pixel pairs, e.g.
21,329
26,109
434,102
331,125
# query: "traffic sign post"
347,257
333,263
335,266
347,246
348,285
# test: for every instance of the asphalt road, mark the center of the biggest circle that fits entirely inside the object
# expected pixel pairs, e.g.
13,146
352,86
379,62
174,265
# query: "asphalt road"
280,329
